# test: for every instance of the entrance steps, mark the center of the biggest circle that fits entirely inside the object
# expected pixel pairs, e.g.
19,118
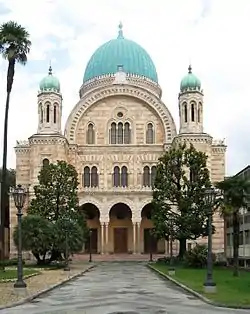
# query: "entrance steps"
116,257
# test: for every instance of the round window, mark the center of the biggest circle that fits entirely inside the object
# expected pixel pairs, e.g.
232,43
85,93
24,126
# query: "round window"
119,114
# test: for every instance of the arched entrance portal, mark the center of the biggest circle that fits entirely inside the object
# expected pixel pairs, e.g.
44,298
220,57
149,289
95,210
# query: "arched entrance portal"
120,229
149,241
92,215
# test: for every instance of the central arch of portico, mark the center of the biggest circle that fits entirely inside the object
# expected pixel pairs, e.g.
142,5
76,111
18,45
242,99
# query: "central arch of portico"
120,231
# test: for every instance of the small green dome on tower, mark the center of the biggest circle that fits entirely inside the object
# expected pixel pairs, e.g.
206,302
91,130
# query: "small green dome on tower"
124,53
190,81
50,83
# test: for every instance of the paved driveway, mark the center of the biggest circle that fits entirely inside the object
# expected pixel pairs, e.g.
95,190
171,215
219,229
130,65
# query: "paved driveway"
119,288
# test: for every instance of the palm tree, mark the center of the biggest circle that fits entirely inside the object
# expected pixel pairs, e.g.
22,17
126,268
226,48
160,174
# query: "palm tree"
235,194
14,47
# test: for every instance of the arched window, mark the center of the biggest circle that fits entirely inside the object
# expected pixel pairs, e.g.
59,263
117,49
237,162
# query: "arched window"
86,177
153,175
146,176
124,177
127,133
94,177
54,113
113,133
120,133
150,134
185,113
199,113
47,113
41,113
116,177
192,112
45,162
193,175
90,134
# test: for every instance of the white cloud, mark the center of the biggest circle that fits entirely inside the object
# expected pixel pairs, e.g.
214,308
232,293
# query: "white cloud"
210,33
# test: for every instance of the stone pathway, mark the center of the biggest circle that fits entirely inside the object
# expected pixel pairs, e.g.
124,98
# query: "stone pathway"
46,279
118,288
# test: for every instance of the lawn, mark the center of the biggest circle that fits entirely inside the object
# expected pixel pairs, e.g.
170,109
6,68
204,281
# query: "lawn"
230,290
12,273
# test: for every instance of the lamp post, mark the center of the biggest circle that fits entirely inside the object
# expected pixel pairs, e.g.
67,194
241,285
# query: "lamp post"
171,270
19,195
209,199
151,246
90,246
66,266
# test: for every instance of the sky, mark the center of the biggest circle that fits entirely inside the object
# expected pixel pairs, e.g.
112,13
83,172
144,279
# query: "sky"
211,34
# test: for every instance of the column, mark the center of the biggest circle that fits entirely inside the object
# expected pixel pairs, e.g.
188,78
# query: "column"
139,237
107,237
102,237
134,237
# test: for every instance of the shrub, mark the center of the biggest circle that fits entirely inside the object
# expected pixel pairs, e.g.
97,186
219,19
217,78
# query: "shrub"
10,262
197,257
221,264
166,260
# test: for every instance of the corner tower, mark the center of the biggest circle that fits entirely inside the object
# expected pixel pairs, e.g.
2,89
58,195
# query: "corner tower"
49,105
191,104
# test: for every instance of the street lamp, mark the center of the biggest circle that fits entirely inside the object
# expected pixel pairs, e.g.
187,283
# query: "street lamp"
171,270
66,266
209,199
151,246
19,195
90,245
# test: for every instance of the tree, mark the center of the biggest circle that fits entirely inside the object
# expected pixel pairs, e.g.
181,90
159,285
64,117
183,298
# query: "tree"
68,232
56,194
11,177
55,198
181,178
14,47
235,196
37,236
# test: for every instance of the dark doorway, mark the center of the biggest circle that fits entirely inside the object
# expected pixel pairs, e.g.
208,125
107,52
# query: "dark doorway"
147,242
120,240
94,242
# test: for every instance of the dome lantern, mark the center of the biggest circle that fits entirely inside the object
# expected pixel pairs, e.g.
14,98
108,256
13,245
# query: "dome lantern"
50,82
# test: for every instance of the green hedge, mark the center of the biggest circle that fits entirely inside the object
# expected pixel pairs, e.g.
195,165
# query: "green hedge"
10,262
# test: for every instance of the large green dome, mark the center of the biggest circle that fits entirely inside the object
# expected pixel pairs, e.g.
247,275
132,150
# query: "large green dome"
50,83
120,52
190,81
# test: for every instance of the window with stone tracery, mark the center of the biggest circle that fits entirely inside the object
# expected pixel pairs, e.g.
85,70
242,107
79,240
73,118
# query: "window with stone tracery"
54,113
120,133
90,177
153,175
185,112
41,113
192,112
148,176
127,133
47,112
90,134
45,162
94,177
199,113
120,176
150,134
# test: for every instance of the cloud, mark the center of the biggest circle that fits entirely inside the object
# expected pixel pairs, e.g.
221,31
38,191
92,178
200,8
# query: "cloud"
210,33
